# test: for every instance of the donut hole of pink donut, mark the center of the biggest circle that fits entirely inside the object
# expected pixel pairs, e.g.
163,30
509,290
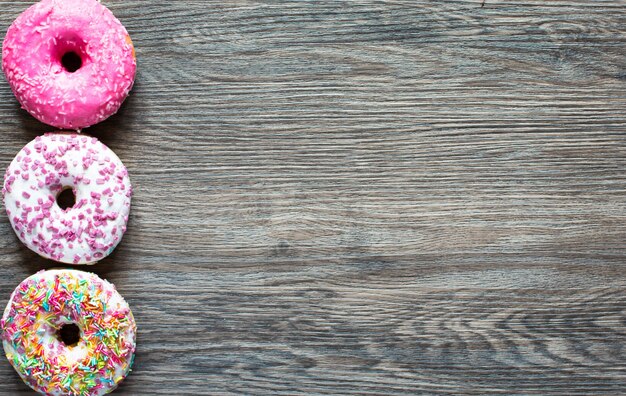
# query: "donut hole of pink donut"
66,195
70,53
70,63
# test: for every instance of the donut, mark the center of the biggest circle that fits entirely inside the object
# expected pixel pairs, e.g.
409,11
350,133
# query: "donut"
70,63
68,332
78,165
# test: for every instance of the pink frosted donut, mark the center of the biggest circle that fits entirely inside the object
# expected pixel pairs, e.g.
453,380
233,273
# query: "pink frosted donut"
82,233
70,63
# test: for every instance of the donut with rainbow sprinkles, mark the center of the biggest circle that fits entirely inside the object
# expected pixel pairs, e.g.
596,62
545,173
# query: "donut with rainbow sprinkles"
68,332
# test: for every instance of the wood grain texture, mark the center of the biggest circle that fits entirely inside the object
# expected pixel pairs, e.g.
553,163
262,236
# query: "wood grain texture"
372,198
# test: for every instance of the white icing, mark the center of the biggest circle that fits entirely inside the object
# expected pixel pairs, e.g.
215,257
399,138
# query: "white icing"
91,229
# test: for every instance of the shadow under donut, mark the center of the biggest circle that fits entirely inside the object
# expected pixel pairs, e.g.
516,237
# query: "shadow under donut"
112,130
116,128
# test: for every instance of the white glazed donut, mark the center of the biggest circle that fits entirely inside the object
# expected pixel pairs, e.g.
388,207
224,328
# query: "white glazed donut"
92,228
93,359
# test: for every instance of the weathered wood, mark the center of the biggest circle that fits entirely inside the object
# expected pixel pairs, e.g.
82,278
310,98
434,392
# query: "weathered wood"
366,197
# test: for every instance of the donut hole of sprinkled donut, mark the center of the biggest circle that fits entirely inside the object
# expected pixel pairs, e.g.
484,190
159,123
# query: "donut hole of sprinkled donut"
51,305
70,63
69,334
40,183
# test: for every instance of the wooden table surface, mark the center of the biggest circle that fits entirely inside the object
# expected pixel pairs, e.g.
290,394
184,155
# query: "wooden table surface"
398,197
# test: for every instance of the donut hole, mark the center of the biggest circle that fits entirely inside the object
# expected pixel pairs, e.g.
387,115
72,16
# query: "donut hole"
69,334
69,52
71,61
66,198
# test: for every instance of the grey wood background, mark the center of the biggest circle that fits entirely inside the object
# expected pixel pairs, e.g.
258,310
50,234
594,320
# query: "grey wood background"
397,197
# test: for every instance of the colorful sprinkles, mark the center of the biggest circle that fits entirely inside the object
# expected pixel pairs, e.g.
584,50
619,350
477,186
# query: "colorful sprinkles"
32,55
91,229
43,303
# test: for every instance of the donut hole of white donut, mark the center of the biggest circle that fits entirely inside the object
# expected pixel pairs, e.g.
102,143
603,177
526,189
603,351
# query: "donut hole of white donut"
66,198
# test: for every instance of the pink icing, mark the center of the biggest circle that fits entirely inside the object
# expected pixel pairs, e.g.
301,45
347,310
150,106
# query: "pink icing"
89,230
32,55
